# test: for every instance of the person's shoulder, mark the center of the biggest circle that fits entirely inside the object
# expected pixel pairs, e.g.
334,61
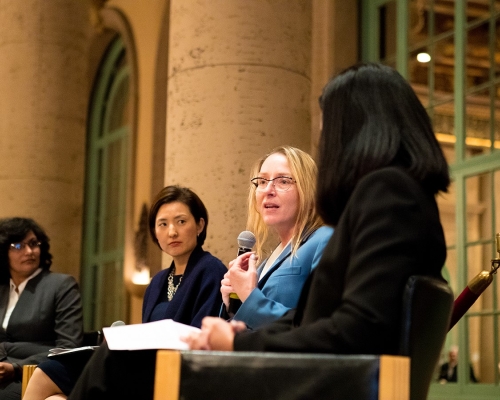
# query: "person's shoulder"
209,261
387,180
56,277
322,232
389,174
156,277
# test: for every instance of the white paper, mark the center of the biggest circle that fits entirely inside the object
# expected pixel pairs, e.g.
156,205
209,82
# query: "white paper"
60,350
164,334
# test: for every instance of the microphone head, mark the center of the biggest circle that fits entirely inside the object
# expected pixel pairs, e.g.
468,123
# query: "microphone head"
246,239
117,323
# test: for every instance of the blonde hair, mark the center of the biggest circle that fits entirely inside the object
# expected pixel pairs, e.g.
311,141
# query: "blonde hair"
304,171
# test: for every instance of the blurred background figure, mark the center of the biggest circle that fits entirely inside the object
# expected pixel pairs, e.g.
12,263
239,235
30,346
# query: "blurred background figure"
281,206
39,309
448,371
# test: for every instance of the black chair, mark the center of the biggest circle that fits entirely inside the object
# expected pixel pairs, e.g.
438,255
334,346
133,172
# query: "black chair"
427,305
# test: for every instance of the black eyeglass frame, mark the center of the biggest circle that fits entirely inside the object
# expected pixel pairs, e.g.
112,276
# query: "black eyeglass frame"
32,244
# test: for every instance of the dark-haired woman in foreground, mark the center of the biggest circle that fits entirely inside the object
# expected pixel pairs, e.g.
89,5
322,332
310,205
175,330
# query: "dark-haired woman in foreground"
40,309
186,292
379,170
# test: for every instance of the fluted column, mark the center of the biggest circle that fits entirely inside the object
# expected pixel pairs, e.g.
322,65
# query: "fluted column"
239,84
43,106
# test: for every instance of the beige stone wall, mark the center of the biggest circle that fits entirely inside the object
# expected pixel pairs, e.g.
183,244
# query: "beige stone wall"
334,48
43,106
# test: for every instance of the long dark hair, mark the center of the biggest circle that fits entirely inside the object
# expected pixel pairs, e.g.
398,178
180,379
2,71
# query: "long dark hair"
372,118
14,230
170,194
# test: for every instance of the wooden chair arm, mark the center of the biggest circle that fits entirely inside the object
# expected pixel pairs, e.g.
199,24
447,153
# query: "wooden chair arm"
224,375
27,372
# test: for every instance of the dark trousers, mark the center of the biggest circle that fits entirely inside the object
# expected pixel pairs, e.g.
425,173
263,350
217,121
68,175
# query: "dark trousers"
117,375
10,391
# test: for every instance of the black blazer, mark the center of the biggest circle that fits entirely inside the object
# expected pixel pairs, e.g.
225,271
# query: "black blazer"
47,315
351,304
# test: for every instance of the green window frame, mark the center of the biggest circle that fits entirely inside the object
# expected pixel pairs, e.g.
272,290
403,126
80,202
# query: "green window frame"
104,297
474,201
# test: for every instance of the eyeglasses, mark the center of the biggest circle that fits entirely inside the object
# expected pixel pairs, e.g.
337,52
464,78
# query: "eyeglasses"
280,183
32,244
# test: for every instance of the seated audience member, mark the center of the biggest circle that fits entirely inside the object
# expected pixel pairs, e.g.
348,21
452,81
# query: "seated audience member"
448,371
40,309
186,292
281,202
380,167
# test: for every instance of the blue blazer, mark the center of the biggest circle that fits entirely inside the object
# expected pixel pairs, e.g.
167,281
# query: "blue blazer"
278,291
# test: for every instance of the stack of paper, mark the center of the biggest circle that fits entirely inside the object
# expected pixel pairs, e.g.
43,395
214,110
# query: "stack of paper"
164,334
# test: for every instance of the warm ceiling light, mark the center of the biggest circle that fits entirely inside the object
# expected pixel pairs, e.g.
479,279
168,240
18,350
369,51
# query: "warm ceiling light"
423,57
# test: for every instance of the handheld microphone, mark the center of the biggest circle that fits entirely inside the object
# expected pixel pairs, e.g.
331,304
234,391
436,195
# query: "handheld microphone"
246,240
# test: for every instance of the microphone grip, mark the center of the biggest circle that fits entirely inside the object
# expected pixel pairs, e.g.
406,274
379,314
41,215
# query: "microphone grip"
234,304
234,300
461,304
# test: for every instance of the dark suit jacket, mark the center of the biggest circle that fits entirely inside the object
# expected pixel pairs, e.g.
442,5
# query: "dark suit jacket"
47,315
351,304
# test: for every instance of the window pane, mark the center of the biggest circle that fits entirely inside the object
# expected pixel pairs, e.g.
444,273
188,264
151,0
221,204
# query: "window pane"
444,73
477,9
419,73
444,127
481,349
477,59
387,24
478,194
420,16
478,126
444,20
496,113
497,45
450,270
447,203
478,260
112,293
120,106
111,238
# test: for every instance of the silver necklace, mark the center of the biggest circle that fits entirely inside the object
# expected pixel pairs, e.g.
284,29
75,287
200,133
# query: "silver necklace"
171,288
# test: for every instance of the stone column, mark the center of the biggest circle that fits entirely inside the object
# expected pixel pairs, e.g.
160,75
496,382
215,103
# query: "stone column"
43,107
239,84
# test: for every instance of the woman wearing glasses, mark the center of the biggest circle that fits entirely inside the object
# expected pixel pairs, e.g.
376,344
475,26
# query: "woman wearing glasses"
280,210
39,310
